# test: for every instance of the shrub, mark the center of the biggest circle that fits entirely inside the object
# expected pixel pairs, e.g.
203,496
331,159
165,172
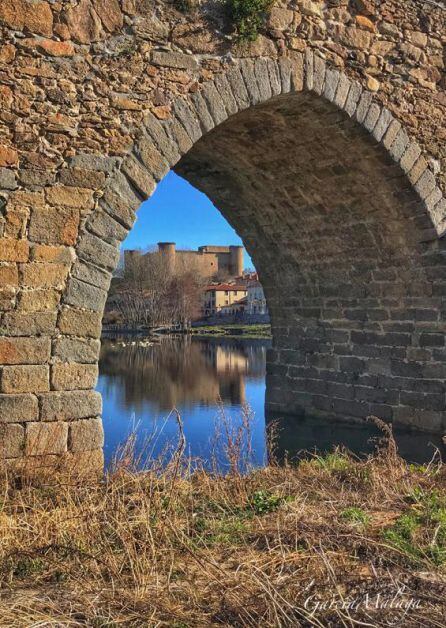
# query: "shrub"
248,17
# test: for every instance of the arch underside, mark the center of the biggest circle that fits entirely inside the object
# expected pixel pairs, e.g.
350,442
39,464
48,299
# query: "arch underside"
345,251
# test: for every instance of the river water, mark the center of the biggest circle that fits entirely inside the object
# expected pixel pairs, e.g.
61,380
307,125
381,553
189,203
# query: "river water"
217,387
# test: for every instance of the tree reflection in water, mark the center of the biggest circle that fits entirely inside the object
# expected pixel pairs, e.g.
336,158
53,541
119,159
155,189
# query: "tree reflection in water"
143,382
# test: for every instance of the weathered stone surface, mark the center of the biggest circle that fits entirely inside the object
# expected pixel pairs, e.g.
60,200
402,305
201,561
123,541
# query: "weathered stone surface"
7,179
46,438
54,226
188,118
91,274
8,156
83,22
93,249
76,350
67,196
238,88
86,435
74,376
104,226
12,440
22,379
49,253
214,103
263,79
83,295
152,158
42,275
411,154
38,300
55,48
59,406
174,60
382,124
73,322
24,350
166,146
93,162
82,178
18,408
204,117
9,275
12,250
121,201
7,298
139,176
34,324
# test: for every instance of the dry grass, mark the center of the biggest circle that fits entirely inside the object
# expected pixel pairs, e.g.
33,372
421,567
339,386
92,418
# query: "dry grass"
184,547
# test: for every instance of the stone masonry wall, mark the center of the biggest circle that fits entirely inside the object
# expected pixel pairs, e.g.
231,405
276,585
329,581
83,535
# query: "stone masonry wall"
334,140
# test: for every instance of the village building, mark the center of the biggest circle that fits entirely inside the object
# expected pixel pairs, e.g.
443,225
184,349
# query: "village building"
219,298
256,301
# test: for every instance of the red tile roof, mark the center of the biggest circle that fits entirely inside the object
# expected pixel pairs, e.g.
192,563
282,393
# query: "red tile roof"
225,286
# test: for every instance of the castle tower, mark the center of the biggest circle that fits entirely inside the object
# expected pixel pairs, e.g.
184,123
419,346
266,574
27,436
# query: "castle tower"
167,250
236,253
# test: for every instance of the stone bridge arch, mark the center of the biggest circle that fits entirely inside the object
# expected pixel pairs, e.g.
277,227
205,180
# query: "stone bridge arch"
335,200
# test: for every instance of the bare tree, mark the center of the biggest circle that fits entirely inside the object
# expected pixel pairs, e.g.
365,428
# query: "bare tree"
153,294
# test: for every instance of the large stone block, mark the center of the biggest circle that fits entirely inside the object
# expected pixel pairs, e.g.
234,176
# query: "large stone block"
166,146
85,435
139,175
91,274
12,250
83,295
82,177
24,350
188,119
9,275
155,163
74,376
12,440
41,275
29,324
174,60
39,300
55,254
22,379
46,438
93,249
18,408
7,298
76,350
62,406
52,225
74,322
67,196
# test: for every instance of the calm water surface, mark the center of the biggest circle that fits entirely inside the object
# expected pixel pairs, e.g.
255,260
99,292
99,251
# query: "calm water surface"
209,381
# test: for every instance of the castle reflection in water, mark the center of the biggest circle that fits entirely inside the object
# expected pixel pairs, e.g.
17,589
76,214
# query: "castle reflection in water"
142,382
184,371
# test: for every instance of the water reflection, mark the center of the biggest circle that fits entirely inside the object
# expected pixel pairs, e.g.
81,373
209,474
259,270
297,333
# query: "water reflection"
142,382
183,371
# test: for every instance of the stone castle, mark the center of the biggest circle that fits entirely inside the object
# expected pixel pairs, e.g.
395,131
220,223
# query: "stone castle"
208,260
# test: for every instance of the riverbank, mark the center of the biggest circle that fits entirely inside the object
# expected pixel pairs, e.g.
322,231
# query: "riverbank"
230,329
329,542
233,329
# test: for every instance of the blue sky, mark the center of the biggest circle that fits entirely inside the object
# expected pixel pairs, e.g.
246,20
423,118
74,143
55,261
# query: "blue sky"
177,212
